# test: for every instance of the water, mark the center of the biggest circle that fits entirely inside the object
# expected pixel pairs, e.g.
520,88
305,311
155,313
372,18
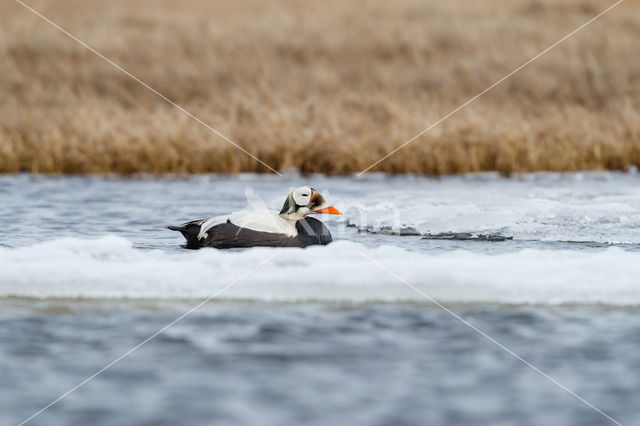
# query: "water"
323,335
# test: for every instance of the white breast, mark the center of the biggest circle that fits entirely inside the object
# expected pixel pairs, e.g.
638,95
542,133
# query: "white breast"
257,220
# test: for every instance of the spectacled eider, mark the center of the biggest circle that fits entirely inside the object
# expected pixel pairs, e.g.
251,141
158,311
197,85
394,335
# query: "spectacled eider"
289,228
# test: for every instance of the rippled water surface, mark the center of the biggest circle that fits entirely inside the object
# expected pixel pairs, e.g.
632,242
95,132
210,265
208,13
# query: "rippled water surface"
546,265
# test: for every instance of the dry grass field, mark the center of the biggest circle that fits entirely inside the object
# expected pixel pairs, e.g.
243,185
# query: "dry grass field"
323,86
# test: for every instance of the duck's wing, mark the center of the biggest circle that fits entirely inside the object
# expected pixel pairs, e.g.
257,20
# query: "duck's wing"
227,235
264,221
230,235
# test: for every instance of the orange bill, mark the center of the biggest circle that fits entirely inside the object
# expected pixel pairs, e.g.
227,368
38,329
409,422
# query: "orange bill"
328,210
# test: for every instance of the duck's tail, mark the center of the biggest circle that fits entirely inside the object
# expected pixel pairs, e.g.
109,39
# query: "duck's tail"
189,231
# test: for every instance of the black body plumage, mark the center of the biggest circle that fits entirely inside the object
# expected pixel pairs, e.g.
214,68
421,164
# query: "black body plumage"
227,235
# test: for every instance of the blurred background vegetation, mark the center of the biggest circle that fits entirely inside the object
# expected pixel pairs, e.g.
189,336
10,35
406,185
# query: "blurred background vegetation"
322,86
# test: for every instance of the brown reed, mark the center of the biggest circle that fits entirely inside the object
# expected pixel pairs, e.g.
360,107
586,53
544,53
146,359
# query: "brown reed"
326,86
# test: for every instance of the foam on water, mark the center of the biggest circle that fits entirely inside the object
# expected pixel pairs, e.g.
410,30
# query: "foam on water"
601,208
109,267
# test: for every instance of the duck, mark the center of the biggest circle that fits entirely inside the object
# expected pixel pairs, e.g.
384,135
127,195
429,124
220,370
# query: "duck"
291,227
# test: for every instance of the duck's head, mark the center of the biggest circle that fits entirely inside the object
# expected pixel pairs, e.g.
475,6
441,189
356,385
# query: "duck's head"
303,201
